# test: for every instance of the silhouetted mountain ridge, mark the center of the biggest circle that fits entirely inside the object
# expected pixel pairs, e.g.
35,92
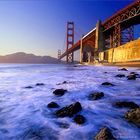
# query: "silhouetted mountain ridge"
21,57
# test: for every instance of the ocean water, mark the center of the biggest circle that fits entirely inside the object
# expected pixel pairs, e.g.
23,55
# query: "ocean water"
24,114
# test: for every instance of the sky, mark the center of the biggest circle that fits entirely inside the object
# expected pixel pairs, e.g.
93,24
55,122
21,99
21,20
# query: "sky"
39,26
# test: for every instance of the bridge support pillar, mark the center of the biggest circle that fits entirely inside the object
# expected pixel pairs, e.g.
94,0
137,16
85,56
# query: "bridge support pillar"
70,58
117,36
99,39
81,50
70,41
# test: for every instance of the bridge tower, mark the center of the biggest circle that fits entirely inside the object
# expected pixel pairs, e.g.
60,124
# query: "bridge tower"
70,41
59,54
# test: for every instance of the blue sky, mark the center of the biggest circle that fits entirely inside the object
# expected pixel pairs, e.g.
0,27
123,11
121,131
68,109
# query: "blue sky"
39,26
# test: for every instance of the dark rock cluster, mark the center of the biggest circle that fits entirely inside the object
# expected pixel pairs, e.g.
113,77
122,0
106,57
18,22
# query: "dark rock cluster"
37,84
131,77
73,109
69,111
137,75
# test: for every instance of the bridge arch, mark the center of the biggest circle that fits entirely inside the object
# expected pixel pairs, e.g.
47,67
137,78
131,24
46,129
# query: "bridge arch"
88,51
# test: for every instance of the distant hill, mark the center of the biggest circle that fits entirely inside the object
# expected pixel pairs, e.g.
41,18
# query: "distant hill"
21,57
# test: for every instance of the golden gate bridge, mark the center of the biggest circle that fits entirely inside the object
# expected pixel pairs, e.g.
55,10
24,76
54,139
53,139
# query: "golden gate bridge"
111,41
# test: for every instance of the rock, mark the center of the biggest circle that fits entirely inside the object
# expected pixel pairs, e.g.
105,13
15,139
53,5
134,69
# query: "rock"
52,105
69,111
40,84
29,87
131,77
120,75
132,73
126,104
79,119
96,95
107,84
65,82
105,134
59,92
133,116
122,69
136,74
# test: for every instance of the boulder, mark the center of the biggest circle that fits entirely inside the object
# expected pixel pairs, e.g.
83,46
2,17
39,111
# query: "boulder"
40,84
120,75
65,82
52,105
107,84
133,116
122,69
96,95
69,111
131,77
136,74
59,92
105,134
29,87
126,104
79,119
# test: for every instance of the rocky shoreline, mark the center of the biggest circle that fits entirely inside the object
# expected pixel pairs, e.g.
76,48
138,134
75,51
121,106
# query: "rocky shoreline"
74,110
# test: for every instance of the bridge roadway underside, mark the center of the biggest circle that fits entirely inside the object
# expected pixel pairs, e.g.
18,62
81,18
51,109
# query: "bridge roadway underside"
125,24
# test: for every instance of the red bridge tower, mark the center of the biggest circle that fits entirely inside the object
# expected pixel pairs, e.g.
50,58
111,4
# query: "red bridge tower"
70,41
